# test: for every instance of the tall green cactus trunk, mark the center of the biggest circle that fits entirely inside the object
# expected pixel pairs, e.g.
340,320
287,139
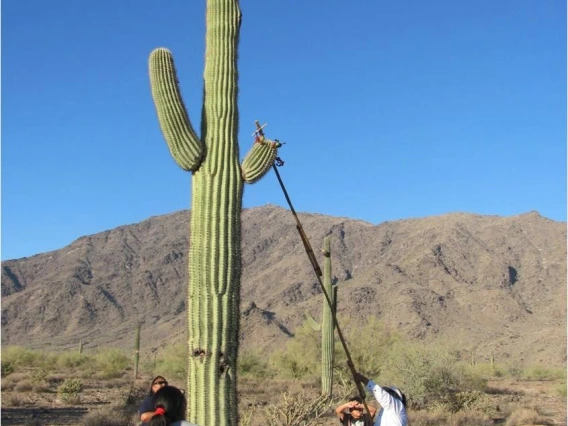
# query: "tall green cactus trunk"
327,325
217,189
215,257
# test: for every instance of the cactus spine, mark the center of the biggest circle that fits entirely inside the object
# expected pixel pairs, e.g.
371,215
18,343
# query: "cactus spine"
327,325
217,189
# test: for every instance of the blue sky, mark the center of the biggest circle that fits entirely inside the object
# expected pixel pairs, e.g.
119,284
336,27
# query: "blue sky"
389,109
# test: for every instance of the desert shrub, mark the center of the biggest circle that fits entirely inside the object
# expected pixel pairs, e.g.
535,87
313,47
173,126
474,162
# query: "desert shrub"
523,417
464,401
136,393
251,364
72,360
543,373
439,416
171,362
427,418
301,357
21,357
514,371
305,409
366,344
488,370
56,378
428,374
7,368
70,389
38,376
111,363
12,401
40,387
23,386
9,383
105,417
469,418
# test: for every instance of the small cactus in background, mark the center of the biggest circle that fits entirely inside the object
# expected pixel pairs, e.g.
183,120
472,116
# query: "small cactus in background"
327,328
217,189
81,346
137,350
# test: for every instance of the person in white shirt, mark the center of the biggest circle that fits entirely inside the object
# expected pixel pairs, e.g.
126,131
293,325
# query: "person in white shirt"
392,400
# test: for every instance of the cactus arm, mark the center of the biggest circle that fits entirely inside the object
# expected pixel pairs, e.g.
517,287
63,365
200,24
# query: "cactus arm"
259,159
184,145
312,322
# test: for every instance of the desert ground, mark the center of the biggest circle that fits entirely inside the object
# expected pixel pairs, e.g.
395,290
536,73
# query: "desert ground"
513,402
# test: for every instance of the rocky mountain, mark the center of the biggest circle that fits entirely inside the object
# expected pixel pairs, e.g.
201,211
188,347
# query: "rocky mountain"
489,282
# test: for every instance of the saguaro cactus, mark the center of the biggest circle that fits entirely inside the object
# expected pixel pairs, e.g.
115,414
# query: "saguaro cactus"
327,328
137,350
217,188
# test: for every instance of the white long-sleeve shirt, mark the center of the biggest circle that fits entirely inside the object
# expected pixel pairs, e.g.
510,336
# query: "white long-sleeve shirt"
392,412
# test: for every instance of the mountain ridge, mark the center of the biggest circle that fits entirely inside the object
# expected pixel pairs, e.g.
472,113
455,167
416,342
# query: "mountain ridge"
497,283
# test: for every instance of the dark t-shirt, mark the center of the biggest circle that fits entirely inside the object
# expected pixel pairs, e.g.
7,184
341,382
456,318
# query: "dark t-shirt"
348,420
147,405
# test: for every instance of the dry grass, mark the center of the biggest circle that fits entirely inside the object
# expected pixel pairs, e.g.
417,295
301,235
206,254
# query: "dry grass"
527,417
106,417
438,417
282,402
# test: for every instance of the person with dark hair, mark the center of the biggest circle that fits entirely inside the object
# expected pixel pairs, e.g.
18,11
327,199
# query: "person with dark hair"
392,400
146,410
169,408
355,415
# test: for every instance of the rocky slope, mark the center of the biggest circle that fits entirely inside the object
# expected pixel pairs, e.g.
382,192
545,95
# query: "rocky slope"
485,282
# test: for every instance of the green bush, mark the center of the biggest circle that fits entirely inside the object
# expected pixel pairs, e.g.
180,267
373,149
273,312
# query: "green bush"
73,360
39,376
70,389
21,357
251,364
543,373
7,368
301,359
428,374
368,346
171,362
111,363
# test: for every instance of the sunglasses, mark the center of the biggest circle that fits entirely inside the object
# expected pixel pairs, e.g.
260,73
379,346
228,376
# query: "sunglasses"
160,382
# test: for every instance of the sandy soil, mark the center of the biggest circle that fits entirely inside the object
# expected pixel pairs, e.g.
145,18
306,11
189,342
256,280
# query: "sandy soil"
45,409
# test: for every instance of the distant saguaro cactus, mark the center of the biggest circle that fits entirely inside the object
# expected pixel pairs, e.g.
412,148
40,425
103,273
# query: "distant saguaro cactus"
137,350
217,189
81,344
327,325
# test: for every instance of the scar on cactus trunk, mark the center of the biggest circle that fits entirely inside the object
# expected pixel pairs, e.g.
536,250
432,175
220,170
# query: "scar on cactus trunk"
216,201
